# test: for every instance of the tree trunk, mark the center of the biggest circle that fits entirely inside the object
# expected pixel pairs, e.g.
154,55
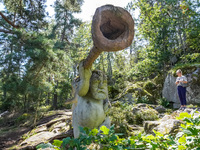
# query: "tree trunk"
48,99
25,101
48,94
55,100
109,70
55,97
4,93
102,63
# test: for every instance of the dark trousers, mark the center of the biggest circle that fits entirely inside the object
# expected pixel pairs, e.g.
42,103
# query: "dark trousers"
182,94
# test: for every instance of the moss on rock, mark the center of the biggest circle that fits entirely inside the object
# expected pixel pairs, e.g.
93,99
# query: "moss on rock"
186,68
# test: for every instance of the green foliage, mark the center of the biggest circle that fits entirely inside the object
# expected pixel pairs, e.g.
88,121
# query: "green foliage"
163,101
121,115
144,99
189,137
165,38
43,146
186,68
23,117
107,139
145,114
35,66
144,69
190,58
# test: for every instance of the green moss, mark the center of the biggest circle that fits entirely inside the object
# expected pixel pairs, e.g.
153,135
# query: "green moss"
146,114
149,84
186,68
137,91
122,116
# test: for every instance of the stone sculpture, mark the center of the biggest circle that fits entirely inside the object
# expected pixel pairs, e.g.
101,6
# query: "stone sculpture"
112,30
92,101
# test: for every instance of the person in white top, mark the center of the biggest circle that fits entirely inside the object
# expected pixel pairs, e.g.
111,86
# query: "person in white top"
181,81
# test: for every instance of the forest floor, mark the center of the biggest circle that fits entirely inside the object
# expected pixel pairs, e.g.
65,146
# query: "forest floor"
17,130
12,132
11,138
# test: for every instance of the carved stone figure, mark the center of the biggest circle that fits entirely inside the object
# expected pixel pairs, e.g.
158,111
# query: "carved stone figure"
92,105
112,30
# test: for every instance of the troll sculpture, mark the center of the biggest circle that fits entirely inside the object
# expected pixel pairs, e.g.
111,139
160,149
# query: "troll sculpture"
112,30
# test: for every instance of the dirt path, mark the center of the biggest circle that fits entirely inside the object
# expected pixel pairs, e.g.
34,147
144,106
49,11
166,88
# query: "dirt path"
12,138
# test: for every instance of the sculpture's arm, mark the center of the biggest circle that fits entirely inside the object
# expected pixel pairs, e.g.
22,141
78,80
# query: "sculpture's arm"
73,100
84,83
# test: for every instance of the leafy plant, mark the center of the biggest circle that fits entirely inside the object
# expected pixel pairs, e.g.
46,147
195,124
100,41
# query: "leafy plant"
144,99
106,139
189,137
163,101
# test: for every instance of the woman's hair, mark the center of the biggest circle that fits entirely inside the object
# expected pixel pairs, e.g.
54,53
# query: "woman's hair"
179,71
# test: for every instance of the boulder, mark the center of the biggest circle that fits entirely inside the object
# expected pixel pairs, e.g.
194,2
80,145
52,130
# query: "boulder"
57,128
150,125
160,109
38,139
190,110
144,112
168,124
193,95
165,126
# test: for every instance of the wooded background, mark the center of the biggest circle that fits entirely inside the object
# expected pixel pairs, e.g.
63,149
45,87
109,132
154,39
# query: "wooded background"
39,54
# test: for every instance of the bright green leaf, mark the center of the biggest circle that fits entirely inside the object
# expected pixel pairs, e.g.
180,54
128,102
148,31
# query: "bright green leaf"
104,129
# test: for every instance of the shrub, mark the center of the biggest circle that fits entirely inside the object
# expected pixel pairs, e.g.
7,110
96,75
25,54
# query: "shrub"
144,99
121,115
107,139
23,117
145,114
163,101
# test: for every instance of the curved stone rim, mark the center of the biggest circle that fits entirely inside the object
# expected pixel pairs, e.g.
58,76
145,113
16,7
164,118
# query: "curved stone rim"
123,41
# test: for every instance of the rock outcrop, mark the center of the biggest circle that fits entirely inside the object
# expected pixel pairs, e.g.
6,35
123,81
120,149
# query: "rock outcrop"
168,124
58,128
193,90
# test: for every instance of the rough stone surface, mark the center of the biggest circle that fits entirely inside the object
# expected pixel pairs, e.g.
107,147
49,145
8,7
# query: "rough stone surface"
193,94
57,128
92,106
38,138
160,109
168,124
144,112
127,98
165,126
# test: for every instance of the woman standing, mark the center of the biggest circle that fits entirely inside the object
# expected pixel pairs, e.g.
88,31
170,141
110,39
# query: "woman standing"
181,82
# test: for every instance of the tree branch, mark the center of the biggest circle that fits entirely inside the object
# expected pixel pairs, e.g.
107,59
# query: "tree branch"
6,31
8,21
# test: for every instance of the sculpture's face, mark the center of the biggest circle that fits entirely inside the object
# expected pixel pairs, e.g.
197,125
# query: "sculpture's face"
98,88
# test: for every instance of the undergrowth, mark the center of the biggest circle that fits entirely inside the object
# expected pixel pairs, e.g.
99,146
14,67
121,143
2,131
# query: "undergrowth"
106,139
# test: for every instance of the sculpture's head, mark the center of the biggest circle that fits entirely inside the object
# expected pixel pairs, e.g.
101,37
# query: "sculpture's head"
98,85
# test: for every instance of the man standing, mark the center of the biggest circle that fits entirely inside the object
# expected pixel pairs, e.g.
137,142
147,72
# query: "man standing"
181,82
